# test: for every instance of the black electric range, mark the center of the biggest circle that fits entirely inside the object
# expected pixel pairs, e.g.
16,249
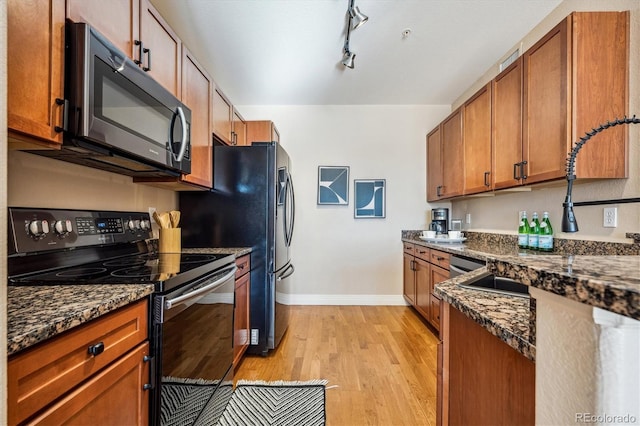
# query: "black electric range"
192,302
51,246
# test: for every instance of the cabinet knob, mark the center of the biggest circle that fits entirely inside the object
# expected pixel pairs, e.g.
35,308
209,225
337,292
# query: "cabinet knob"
97,349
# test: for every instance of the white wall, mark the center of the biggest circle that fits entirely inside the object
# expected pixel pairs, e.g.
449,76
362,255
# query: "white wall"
36,181
500,213
339,259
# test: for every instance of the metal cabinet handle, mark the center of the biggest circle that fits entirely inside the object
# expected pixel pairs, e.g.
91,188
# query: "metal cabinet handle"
65,115
97,349
140,50
516,175
439,190
148,52
524,163
147,386
486,181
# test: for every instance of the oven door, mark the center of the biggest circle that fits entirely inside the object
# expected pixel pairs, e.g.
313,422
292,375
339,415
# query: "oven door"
116,104
194,350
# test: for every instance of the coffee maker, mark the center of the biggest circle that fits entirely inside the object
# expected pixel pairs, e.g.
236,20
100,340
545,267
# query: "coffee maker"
440,221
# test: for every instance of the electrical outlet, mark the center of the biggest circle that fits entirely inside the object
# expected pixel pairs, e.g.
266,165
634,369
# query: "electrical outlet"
468,218
610,217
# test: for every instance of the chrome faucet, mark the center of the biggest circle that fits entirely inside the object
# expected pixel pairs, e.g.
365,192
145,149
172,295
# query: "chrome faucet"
569,223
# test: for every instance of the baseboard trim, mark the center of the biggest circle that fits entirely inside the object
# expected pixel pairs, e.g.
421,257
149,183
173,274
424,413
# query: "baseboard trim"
343,299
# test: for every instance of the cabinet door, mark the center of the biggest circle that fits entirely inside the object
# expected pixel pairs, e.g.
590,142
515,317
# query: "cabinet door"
423,288
601,89
241,331
163,58
117,20
222,110
477,142
239,129
434,165
262,131
506,138
197,92
409,279
436,275
35,68
115,396
452,155
547,130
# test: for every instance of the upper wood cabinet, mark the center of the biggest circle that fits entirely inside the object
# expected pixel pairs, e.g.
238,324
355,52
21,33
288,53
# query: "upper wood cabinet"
35,68
117,20
197,92
576,78
239,131
506,129
136,28
222,116
434,165
228,125
262,131
477,142
527,119
161,49
452,155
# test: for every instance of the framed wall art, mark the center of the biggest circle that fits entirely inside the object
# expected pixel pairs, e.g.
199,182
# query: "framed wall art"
333,185
369,195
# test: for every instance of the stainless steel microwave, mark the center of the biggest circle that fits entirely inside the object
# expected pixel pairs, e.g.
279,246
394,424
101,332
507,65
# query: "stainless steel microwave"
117,117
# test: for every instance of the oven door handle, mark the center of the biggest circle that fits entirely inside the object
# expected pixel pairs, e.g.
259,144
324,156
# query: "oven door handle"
168,304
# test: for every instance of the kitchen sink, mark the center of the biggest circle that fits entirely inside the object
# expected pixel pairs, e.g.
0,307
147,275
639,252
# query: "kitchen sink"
491,283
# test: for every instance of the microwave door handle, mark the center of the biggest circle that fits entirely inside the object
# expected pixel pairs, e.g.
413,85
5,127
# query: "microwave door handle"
183,145
168,304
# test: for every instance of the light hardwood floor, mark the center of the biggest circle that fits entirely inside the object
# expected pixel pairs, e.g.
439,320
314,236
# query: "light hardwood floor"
381,360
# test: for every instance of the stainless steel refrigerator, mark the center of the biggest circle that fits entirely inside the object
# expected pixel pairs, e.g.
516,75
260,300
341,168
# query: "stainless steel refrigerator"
252,204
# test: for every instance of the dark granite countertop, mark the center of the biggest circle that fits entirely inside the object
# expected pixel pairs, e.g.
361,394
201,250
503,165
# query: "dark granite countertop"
606,280
506,317
37,313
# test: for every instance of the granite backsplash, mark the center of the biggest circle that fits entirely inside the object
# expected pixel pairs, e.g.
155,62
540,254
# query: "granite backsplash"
506,243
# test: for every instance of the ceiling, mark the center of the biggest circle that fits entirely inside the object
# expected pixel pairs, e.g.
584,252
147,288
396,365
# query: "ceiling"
289,52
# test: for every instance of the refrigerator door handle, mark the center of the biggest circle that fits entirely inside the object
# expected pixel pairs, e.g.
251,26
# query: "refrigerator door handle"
290,211
289,270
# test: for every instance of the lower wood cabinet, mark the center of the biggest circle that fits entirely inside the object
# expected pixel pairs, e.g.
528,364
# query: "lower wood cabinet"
241,324
114,396
481,379
423,268
84,373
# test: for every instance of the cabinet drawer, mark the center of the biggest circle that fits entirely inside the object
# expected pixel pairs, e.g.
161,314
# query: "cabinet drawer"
439,258
244,265
115,396
408,248
45,372
422,253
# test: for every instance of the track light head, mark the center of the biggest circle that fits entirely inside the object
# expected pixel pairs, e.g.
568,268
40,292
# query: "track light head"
357,18
348,59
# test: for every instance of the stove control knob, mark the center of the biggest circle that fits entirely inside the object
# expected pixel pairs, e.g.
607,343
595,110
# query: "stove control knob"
38,228
131,225
145,225
62,227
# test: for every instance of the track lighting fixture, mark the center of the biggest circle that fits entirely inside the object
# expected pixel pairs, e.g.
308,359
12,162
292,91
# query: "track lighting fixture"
356,20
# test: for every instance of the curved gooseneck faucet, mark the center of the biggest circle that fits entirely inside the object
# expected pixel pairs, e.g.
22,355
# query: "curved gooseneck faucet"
569,223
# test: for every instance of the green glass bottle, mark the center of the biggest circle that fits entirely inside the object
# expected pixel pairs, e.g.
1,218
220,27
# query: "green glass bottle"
523,231
545,239
534,231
